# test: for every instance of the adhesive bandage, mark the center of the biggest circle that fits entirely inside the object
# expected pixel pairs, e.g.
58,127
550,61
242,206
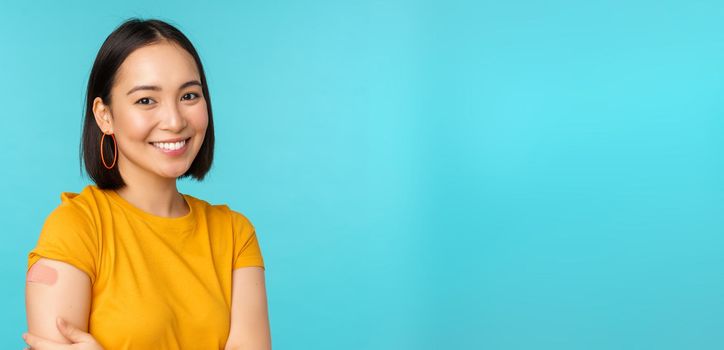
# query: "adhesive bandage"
42,274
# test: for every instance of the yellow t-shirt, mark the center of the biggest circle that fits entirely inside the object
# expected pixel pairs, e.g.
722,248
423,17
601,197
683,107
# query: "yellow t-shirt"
158,283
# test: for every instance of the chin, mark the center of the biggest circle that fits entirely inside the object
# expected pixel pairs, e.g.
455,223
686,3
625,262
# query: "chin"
173,174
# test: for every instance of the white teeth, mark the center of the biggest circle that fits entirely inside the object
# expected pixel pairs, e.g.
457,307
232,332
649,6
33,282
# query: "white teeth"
170,146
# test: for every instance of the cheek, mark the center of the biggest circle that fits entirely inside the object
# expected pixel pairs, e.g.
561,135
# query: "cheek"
199,118
134,126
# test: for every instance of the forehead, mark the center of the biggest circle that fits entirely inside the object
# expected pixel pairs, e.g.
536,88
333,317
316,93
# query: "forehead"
163,63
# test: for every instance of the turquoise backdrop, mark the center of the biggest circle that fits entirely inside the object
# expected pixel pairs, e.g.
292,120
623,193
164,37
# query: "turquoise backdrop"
423,174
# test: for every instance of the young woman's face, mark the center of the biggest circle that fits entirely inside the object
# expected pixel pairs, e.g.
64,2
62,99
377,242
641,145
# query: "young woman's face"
157,112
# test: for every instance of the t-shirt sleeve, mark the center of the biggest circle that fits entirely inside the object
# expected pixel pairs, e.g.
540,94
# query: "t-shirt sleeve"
69,236
246,246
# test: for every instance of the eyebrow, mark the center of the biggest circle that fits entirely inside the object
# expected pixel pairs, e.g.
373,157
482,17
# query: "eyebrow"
158,88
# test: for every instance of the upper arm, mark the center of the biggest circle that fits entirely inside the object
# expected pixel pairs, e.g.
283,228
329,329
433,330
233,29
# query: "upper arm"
249,327
56,289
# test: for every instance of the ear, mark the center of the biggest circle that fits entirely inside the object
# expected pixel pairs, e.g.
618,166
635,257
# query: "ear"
102,113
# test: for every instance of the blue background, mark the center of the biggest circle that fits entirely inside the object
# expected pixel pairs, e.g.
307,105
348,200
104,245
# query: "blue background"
424,175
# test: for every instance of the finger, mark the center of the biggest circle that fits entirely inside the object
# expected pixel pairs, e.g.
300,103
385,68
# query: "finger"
73,333
37,342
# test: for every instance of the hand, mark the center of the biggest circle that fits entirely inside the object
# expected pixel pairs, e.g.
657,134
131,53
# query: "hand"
81,340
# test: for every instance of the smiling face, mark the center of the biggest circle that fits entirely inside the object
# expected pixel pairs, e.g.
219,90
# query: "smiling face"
157,114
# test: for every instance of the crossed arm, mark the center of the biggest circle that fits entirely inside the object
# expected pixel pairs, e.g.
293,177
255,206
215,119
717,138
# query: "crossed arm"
57,289
249,327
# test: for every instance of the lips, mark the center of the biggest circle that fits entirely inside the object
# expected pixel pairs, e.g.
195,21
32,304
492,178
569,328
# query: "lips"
172,140
171,147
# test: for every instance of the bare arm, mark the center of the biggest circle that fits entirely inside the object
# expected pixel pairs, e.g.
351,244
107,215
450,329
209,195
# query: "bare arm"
249,328
56,289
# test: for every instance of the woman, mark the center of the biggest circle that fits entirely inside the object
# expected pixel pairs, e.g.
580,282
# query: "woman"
131,263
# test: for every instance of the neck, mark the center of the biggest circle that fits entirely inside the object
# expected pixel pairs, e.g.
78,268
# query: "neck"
151,193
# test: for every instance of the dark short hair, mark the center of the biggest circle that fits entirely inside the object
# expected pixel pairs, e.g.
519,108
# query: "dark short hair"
132,34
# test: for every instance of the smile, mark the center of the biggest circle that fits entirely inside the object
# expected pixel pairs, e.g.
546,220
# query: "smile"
171,147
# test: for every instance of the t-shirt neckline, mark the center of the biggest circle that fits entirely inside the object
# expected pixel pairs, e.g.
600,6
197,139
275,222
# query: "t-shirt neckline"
178,222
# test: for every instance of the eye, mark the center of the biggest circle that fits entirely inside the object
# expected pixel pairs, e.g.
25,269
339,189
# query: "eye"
192,93
143,99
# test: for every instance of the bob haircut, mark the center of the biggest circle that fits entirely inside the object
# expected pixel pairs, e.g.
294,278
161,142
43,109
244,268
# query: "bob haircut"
134,33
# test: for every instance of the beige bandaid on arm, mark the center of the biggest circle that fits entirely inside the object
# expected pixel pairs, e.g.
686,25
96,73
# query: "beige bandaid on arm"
54,289
42,273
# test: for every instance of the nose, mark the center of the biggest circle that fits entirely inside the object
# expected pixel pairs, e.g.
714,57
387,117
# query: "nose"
172,119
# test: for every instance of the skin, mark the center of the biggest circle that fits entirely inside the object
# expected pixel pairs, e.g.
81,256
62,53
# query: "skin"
136,119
